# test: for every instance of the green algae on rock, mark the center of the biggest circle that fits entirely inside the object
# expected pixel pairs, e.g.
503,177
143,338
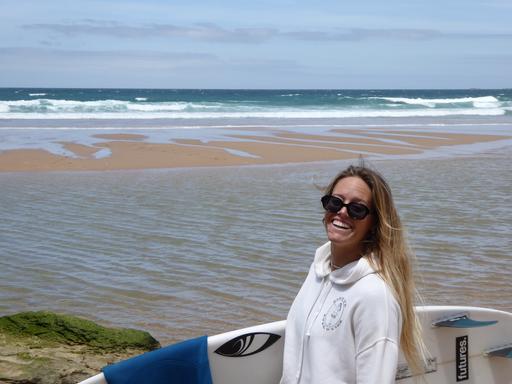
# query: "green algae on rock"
72,330
49,348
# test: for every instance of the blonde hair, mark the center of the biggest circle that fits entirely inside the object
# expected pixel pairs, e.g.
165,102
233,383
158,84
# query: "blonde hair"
392,258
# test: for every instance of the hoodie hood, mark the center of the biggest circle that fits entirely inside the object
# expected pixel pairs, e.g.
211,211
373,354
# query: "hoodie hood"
348,274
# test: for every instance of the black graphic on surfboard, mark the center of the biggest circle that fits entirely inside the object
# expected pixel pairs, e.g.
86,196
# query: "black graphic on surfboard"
247,344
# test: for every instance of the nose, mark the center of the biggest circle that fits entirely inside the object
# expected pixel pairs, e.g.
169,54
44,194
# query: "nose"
343,210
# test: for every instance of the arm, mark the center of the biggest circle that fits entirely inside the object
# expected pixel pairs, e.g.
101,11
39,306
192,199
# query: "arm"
377,324
378,363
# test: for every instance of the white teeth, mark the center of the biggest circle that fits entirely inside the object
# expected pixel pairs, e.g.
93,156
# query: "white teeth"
340,224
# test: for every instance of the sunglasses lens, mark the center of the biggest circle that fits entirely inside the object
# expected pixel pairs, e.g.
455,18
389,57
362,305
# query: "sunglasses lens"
357,211
332,203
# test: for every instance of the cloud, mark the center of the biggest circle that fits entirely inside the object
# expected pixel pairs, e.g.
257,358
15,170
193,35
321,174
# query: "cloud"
212,32
107,54
41,58
202,31
358,34
49,67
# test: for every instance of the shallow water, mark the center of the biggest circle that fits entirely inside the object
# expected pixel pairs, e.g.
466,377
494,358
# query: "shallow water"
187,252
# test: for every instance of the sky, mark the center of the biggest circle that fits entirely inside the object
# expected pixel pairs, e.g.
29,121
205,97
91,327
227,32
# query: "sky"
256,44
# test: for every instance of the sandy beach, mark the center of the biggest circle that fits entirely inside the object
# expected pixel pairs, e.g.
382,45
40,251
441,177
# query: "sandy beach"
134,151
162,164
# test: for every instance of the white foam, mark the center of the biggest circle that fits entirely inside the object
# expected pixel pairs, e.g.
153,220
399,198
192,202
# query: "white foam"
487,103
141,98
52,106
73,103
279,114
37,94
160,107
20,103
44,108
63,105
478,102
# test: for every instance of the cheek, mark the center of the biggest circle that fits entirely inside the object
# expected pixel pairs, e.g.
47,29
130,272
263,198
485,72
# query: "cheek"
327,217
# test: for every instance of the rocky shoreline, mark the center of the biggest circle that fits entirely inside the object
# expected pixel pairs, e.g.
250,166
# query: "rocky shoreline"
48,348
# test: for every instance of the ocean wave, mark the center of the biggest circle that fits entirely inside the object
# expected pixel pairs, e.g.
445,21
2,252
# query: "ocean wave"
477,102
160,107
279,114
45,108
54,106
37,94
141,98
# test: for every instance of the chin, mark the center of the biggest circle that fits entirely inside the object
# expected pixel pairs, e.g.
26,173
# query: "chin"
337,239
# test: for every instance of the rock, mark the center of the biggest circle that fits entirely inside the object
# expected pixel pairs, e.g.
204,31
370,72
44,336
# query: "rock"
49,348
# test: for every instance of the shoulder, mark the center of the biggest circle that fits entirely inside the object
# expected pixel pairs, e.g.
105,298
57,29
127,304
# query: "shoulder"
374,303
372,289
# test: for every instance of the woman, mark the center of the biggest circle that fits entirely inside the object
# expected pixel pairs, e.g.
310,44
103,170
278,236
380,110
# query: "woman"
355,308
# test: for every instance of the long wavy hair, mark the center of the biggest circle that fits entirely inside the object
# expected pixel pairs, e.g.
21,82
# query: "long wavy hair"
392,258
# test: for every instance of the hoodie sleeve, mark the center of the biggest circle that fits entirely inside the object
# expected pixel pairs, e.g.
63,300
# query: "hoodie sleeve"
378,363
377,324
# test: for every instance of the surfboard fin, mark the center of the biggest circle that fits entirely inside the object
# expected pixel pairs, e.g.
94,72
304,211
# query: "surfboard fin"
462,320
503,351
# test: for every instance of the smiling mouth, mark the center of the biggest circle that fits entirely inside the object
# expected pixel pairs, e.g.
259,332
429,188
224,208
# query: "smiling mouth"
340,224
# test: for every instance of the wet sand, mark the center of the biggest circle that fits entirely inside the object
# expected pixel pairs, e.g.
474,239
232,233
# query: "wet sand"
132,151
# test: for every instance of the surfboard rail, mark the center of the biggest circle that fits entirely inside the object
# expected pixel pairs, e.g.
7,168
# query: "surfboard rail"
97,379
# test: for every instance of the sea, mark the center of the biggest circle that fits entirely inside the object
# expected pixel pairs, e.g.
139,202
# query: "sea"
192,251
44,118
221,104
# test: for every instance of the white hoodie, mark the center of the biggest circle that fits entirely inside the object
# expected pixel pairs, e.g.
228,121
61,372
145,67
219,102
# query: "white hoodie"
343,327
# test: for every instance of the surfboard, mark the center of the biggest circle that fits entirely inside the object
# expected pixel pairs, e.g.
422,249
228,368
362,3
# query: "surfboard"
465,344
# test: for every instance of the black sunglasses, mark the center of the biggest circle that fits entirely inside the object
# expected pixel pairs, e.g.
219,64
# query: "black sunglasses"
334,204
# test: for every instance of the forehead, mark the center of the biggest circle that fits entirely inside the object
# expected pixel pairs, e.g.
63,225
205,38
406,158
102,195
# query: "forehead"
353,188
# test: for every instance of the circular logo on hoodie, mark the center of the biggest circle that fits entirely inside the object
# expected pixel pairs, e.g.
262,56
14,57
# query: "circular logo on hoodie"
334,315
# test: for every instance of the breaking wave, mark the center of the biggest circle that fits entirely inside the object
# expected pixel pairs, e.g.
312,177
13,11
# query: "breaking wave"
45,108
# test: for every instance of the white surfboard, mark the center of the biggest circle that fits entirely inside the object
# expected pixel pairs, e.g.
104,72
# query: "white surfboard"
466,345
